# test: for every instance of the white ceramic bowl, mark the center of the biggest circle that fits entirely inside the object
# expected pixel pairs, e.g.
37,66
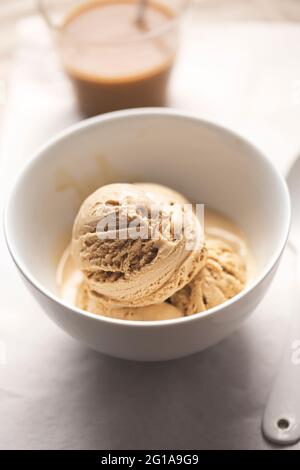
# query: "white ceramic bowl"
205,162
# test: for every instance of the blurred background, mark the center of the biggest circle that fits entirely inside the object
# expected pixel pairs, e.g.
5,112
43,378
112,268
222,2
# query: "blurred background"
265,10
11,11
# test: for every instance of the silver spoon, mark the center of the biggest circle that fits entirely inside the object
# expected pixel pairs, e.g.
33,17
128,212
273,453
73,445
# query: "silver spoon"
141,11
281,421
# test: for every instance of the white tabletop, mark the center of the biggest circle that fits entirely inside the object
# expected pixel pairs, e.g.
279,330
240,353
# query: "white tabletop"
56,393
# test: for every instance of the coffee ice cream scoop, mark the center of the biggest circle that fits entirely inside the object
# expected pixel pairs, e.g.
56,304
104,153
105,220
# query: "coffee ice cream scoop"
90,301
140,262
162,194
223,277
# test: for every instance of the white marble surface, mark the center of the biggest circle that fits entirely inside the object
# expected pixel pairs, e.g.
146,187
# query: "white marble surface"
54,392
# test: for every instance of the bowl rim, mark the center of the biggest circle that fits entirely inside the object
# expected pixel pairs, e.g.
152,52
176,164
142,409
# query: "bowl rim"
143,112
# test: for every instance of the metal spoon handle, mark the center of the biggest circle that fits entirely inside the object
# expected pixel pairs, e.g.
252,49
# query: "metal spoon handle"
281,421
